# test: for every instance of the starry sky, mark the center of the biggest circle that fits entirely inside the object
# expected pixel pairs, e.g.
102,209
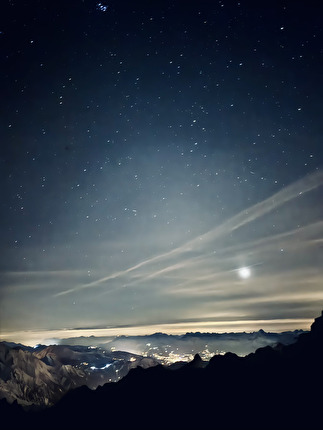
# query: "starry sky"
161,164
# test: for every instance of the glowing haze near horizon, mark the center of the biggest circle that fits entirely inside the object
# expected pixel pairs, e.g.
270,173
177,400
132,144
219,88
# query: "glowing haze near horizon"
162,167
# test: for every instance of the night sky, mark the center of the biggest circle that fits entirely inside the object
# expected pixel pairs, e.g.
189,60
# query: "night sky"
161,166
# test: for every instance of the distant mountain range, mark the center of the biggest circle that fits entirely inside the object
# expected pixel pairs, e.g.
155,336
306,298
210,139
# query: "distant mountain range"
41,375
170,348
273,388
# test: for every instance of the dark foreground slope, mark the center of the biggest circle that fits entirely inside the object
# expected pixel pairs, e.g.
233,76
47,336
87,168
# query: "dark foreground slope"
273,388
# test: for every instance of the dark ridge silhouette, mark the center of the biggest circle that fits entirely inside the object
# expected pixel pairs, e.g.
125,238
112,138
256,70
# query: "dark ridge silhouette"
273,388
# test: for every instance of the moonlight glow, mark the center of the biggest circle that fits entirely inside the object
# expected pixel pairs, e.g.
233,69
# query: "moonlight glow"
150,182
244,272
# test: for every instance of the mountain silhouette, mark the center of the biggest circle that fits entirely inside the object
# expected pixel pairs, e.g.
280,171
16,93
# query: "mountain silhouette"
273,388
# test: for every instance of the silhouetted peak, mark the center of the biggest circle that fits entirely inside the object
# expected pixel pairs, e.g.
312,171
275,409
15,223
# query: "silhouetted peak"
317,326
279,347
197,360
231,356
266,353
195,363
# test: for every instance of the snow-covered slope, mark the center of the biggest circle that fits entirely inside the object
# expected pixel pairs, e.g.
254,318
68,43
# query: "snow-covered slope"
41,376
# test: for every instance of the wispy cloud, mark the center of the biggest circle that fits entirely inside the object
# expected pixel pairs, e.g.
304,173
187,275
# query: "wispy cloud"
213,252
279,239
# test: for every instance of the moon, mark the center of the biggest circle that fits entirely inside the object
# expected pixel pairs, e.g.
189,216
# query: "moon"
244,272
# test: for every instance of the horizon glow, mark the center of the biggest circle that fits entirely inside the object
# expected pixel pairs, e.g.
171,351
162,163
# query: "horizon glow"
50,337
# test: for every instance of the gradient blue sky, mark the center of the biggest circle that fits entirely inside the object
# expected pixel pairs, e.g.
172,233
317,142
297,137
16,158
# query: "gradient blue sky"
149,151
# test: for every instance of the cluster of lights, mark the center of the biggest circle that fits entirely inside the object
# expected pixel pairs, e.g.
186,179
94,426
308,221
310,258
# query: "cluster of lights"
172,356
101,368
